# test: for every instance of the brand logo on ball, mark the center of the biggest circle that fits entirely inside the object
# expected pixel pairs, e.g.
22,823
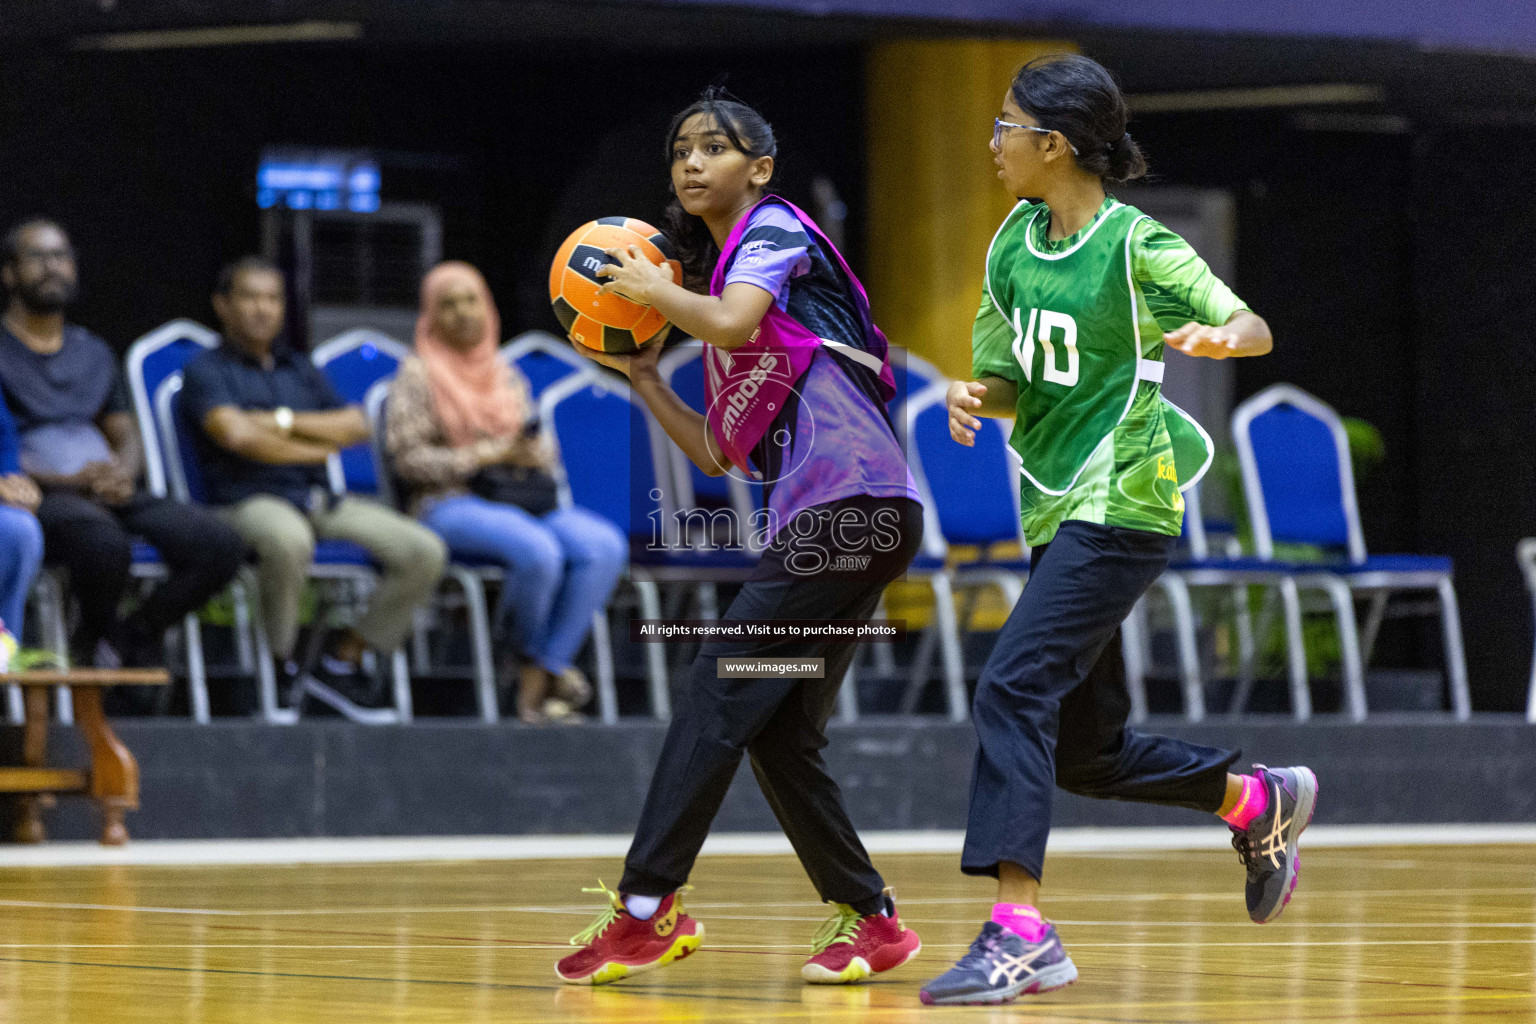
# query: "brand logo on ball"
607,321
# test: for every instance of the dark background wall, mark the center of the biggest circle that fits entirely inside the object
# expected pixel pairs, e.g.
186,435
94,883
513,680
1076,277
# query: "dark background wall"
1391,254
151,158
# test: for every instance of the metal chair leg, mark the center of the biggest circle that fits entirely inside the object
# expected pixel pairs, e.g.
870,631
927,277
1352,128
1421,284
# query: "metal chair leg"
1189,651
197,670
1525,553
1247,650
245,654
479,640
709,602
1343,600
922,663
949,646
884,656
266,675
421,647
848,697
1455,653
1372,627
400,671
655,657
1295,650
54,612
15,707
602,654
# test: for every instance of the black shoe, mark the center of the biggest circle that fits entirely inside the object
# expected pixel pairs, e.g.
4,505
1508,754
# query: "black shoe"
346,690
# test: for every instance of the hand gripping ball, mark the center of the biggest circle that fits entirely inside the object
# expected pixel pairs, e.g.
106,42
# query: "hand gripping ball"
611,322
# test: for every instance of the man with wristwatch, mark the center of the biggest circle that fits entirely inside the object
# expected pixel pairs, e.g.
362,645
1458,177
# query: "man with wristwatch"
265,421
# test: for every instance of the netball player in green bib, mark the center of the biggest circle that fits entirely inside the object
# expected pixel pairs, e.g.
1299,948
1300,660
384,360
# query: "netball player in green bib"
1082,294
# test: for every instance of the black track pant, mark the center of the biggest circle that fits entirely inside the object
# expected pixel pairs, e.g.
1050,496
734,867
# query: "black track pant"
778,722
95,543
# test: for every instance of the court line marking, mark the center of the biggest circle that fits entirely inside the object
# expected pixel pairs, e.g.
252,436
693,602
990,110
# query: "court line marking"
583,909
1109,842
1353,999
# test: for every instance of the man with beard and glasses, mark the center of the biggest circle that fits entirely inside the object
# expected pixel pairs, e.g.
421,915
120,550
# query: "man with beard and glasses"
79,443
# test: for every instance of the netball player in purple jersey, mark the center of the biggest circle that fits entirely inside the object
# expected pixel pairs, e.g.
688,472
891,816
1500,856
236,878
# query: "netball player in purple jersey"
796,385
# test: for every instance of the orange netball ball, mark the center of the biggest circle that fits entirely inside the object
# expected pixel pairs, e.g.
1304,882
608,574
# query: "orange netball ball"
607,323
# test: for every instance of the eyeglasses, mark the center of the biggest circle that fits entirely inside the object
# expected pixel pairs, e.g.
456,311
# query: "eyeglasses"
46,256
998,124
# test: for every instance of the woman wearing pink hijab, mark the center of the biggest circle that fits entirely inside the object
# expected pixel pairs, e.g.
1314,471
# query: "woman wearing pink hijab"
461,440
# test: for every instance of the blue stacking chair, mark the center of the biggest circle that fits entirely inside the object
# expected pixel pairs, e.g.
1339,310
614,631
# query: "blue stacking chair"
150,360
1299,487
334,560
970,497
613,462
1194,565
354,362
544,359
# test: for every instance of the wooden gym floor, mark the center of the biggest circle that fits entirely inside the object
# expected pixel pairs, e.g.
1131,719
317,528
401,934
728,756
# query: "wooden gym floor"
1425,933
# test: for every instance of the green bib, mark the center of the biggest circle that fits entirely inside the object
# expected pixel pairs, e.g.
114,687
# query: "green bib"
1077,342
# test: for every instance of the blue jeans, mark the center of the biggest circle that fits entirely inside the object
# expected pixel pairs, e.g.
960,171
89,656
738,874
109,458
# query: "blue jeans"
559,569
21,553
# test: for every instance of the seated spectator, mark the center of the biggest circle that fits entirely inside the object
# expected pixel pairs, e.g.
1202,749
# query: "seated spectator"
21,537
80,444
461,436
265,422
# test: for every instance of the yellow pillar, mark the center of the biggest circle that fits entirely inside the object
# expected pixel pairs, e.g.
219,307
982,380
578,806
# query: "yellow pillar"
934,200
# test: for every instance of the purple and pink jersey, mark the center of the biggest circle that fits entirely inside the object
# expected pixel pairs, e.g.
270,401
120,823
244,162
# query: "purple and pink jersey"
833,439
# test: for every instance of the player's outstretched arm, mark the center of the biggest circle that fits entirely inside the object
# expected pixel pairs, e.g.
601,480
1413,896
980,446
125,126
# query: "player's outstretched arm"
1246,334
726,321
968,399
688,428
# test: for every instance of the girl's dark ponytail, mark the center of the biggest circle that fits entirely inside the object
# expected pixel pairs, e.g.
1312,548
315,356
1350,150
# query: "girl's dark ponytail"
1075,96
1126,161
750,134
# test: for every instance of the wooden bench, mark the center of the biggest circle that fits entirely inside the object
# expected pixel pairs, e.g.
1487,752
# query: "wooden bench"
111,778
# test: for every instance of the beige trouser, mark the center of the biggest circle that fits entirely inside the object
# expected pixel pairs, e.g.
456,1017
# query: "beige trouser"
411,556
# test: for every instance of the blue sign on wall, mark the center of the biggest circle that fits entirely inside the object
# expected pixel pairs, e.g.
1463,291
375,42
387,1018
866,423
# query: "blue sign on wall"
318,180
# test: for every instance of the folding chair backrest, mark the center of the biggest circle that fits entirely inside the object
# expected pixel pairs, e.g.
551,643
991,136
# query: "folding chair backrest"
973,492
375,404
609,454
544,359
184,477
1298,482
354,362
154,357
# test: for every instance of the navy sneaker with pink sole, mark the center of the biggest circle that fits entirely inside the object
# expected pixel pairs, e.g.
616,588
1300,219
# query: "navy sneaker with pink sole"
1268,846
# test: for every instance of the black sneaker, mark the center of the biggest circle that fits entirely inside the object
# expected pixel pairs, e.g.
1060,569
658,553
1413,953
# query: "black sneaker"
348,691
1268,846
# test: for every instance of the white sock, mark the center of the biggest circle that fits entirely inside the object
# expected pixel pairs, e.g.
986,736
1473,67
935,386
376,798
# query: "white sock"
642,907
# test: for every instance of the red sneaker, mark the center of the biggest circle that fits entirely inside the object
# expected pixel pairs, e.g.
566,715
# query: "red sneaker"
620,945
850,948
